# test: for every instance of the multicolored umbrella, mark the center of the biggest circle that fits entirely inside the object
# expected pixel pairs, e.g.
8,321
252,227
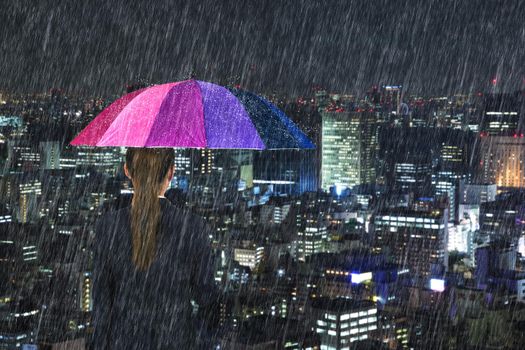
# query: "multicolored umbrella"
193,114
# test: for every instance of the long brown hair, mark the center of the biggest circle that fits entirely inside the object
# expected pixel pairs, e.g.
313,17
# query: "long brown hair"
148,167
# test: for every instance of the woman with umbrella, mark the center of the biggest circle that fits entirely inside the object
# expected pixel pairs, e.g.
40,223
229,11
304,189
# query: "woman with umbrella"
153,260
145,304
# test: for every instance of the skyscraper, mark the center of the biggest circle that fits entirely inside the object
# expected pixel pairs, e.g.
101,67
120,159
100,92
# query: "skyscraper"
348,149
452,168
503,161
502,142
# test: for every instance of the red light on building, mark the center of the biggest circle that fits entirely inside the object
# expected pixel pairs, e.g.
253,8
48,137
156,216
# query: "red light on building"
494,81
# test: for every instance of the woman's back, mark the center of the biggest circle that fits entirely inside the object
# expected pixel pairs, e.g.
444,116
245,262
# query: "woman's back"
150,309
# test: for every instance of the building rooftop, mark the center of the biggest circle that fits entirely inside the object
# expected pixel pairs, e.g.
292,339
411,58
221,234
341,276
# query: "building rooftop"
341,304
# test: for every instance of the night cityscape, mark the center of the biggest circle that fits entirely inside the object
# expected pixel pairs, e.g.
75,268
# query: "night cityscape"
403,229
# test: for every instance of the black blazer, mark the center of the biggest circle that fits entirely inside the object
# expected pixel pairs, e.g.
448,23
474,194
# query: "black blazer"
152,309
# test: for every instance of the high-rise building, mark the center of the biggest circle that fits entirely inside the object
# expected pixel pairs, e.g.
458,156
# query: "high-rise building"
500,114
348,149
413,175
503,161
452,168
22,191
340,322
502,141
504,217
415,240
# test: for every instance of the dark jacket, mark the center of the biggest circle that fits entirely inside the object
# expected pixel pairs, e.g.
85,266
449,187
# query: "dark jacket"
152,309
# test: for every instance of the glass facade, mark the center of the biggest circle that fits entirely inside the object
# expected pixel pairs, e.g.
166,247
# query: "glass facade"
348,146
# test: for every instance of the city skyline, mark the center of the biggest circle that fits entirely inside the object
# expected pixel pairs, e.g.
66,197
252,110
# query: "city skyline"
403,228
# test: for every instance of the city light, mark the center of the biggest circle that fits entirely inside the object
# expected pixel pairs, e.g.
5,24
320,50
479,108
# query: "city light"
361,277
437,285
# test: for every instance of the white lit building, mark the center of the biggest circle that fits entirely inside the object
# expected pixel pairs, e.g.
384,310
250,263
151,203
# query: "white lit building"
340,322
249,255
311,236
416,240
461,237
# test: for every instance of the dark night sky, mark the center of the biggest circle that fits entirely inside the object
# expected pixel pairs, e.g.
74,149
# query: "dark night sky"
95,48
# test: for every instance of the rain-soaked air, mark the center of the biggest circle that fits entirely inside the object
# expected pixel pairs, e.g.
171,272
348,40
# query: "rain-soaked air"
289,175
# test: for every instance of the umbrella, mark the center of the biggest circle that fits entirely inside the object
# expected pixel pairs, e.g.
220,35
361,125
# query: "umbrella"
193,114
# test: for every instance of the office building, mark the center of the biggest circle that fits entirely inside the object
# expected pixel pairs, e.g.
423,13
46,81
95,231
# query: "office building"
311,236
413,175
22,191
503,161
415,240
502,141
340,322
476,194
461,237
451,169
504,217
249,254
348,149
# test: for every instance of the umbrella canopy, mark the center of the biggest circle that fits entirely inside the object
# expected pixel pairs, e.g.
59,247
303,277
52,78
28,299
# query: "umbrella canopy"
193,114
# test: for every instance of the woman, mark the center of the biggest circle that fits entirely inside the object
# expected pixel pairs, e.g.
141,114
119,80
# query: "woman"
151,262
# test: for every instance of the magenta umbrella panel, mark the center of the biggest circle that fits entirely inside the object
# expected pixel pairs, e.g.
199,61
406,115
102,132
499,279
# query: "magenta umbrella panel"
193,114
